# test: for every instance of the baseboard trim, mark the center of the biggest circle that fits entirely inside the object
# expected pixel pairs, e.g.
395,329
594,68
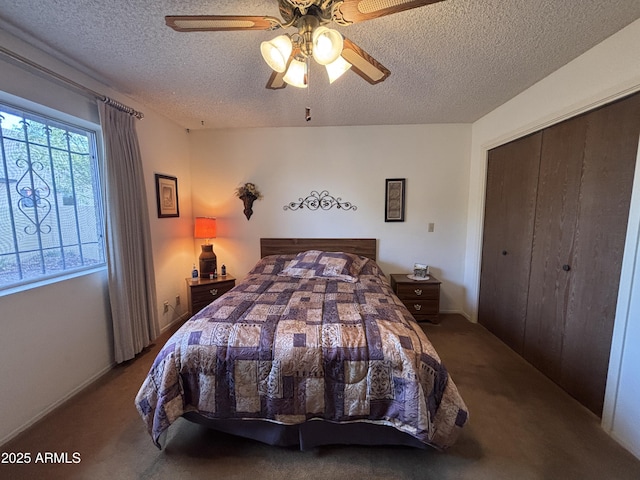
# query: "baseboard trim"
457,312
169,326
632,449
94,378
56,404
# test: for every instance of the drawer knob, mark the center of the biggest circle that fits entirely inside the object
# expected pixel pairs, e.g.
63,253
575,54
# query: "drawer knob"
213,292
418,291
417,307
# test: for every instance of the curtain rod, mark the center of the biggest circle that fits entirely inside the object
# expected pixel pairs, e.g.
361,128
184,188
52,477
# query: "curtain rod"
99,96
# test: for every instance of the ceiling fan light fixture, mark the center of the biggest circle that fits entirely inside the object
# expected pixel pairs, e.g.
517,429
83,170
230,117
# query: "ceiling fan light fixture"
296,74
327,45
313,38
277,52
336,68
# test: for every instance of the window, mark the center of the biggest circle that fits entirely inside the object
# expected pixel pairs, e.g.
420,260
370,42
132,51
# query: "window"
50,200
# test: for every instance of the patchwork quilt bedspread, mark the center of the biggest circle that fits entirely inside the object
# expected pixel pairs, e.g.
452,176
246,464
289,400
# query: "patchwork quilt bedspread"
290,348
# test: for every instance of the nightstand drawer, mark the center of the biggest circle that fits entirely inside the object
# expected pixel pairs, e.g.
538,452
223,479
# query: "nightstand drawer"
422,307
422,297
208,293
204,291
418,291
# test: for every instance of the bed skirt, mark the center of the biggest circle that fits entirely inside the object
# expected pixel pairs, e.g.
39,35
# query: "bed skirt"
308,435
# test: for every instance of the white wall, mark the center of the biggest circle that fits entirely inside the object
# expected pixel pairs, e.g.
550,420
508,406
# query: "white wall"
351,163
164,149
622,413
56,339
608,71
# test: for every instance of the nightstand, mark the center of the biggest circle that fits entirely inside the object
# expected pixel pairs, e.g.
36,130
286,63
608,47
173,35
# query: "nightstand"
421,297
204,291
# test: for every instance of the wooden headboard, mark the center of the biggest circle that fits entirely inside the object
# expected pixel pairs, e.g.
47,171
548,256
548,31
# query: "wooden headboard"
365,247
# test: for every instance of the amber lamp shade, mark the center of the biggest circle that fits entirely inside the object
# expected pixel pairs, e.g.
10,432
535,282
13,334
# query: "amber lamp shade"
206,228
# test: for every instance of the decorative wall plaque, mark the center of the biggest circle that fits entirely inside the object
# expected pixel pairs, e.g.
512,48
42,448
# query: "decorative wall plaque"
320,201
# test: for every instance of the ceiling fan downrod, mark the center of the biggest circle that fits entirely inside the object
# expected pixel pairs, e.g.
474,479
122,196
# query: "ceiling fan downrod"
306,27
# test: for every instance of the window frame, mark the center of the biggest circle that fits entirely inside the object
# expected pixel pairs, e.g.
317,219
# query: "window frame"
31,108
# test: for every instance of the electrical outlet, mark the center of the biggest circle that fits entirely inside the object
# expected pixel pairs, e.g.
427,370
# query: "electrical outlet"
166,306
177,300
431,227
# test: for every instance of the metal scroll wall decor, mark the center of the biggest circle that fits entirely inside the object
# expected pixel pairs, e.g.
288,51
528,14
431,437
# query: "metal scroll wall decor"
320,201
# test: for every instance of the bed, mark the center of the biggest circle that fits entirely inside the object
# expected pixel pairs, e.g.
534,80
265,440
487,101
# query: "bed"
311,348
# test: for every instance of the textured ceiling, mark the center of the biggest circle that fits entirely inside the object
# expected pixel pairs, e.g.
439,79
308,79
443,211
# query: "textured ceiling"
451,62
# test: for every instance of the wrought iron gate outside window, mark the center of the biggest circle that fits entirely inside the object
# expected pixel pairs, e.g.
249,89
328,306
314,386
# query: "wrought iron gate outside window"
50,198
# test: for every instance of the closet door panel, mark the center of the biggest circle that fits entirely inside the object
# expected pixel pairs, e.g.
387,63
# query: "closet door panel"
512,174
608,167
556,215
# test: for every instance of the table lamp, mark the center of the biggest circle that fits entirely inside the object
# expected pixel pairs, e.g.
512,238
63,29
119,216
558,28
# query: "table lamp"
206,228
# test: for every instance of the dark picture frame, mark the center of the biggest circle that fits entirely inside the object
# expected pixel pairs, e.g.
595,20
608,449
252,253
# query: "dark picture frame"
394,200
167,196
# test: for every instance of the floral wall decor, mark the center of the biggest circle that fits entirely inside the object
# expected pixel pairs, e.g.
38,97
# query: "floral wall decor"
248,193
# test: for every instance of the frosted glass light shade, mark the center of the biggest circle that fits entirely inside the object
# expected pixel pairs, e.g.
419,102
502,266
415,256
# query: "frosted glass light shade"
296,74
327,45
277,52
336,68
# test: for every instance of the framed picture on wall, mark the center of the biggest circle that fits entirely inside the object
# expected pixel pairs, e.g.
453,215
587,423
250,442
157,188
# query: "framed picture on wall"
394,200
167,196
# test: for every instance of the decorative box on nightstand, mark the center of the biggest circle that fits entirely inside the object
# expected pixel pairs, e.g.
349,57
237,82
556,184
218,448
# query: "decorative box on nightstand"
421,297
203,291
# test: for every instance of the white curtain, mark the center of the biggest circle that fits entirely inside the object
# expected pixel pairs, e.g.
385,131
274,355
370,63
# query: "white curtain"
132,288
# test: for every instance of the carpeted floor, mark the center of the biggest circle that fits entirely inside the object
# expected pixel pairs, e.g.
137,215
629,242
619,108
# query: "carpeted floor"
522,427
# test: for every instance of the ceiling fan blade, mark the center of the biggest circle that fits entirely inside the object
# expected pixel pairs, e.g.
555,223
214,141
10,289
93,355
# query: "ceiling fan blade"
276,80
221,23
364,64
352,11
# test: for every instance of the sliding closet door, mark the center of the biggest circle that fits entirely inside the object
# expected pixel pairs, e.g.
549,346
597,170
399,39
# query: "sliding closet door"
553,243
610,151
557,207
512,177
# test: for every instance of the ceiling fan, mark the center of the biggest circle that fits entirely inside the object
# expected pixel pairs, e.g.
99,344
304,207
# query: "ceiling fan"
289,54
